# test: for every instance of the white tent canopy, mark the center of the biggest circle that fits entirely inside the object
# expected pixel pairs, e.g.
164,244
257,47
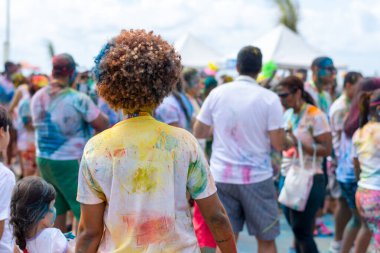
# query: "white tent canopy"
195,53
286,48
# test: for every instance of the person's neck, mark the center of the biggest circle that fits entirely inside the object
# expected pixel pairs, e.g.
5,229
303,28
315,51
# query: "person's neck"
254,76
148,110
40,226
59,83
297,108
318,85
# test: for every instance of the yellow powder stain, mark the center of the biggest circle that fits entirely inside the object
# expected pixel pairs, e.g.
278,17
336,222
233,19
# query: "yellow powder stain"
144,180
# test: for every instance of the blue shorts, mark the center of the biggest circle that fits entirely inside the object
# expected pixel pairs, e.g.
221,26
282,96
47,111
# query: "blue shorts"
348,193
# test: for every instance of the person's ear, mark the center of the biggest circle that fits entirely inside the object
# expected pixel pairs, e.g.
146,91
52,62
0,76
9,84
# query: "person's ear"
2,131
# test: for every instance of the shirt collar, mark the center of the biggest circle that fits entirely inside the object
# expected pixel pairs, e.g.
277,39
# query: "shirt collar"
246,79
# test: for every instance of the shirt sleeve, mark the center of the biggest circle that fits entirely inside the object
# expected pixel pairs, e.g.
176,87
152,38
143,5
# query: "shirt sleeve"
7,184
200,183
320,124
87,108
59,242
354,149
167,113
89,191
275,115
205,114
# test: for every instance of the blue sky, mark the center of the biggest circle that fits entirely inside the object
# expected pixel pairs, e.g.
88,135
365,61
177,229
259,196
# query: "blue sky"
347,30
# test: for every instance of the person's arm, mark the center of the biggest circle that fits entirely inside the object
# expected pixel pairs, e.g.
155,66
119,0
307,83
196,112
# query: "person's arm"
277,139
322,145
357,168
91,228
2,224
15,100
100,123
201,130
217,220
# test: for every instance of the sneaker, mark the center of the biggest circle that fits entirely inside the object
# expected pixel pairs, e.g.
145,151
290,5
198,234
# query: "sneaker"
335,247
322,230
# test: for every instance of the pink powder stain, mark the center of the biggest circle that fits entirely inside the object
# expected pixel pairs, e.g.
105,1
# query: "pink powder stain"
227,171
119,152
149,229
246,174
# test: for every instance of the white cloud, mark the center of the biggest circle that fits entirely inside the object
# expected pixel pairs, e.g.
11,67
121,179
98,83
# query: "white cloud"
346,29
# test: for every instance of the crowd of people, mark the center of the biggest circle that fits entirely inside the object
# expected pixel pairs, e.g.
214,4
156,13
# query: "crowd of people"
116,159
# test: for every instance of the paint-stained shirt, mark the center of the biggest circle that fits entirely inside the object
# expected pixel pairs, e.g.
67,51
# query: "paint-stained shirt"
366,147
172,111
242,113
7,91
61,120
309,123
145,171
321,99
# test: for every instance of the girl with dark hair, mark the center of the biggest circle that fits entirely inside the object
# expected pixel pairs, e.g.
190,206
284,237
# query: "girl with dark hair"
33,215
308,131
366,153
345,171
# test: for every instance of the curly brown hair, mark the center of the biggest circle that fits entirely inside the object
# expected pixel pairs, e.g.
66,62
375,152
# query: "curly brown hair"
136,70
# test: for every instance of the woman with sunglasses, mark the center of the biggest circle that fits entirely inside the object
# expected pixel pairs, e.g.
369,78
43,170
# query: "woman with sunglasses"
307,126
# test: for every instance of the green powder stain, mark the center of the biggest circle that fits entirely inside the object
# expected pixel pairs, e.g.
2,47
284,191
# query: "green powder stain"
144,180
197,178
166,142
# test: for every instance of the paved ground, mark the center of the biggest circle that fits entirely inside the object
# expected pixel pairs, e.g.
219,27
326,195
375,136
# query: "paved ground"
247,244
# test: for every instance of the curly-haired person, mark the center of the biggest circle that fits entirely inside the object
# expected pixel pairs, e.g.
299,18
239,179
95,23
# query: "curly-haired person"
136,177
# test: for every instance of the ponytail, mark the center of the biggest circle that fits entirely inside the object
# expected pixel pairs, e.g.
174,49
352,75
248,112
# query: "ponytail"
364,109
308,98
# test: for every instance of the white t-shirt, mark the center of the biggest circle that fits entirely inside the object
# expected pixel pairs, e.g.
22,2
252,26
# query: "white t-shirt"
337,114
7,183
241,113
49,240
145,170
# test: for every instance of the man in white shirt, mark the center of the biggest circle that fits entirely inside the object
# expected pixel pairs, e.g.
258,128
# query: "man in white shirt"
245,120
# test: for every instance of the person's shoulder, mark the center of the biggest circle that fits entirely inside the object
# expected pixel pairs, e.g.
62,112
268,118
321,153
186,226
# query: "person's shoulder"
6,173
51,232
314,111
40,92
177,133
338,104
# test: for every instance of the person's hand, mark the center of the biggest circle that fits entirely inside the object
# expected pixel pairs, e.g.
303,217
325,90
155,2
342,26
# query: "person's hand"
290,140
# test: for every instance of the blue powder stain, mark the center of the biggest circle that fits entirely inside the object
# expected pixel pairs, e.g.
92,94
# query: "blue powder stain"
97,69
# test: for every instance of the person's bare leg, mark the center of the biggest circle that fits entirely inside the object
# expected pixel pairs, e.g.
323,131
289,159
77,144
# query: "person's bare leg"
350,232
60,223
266,246
363,239
342,216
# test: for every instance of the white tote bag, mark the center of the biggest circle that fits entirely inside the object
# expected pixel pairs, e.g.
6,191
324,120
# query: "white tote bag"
298,183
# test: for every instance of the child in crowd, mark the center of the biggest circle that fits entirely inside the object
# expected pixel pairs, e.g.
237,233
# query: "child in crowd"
7,182
32,217
366,152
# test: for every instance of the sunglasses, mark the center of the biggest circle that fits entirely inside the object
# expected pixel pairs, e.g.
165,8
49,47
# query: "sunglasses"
330,69
284,95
